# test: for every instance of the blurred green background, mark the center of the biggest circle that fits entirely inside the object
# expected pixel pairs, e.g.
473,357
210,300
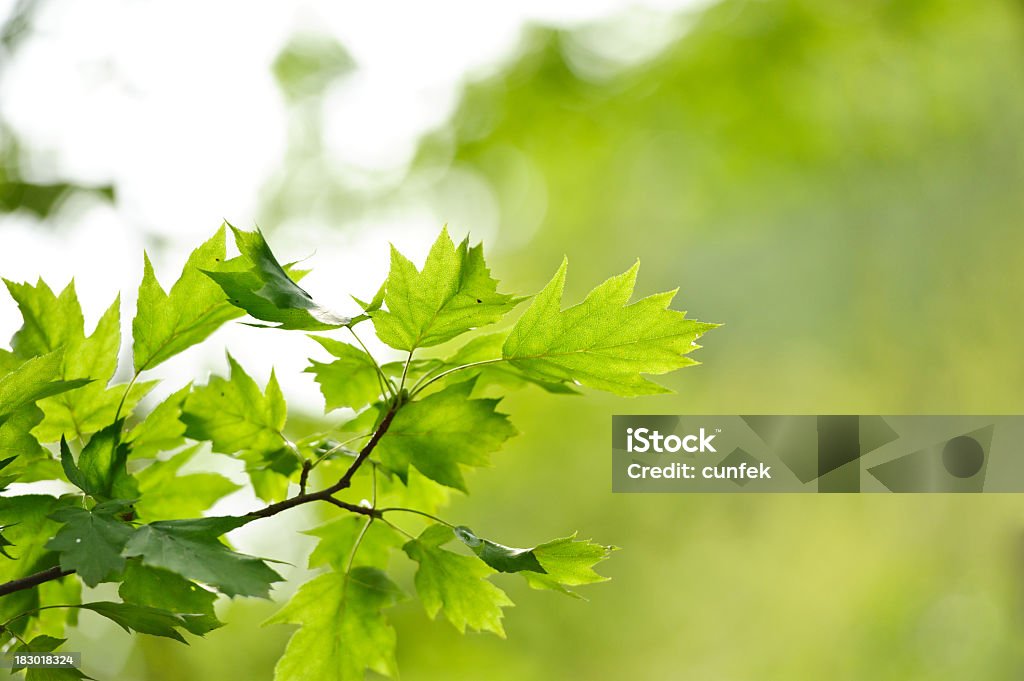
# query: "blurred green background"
842,184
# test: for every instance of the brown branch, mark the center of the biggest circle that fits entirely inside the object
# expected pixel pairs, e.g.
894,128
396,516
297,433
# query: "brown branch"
307,465
33,580
326,494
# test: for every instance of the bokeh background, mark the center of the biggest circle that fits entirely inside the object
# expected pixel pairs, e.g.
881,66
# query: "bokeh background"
840,181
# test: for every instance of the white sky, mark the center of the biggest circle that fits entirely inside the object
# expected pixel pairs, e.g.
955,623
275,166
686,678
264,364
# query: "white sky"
175,104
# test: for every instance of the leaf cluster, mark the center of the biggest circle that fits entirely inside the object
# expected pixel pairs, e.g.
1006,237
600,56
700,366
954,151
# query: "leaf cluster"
407,429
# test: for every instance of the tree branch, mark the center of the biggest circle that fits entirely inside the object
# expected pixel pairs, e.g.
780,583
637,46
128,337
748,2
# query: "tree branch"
33,580
326,494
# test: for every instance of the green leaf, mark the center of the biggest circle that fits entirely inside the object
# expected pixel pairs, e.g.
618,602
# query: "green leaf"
258,284
453,294
553,565
47,644
90,541
442,432
79,418
50,321
143,585
55,621
457,584
101,471
487,348
25,455
239,419
162,430
567,562
141,618
9,361
37,378
191,548
234,415
4,543
338,538
500,557
28,527
351,380
166,495
343,630
603,342
168,323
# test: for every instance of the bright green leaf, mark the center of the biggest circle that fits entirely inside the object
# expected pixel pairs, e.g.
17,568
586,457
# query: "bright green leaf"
50,322
603,342
487,348
343,631
351,380
162,430
456,584
443,432
34,380
338,537
239,419
168,323
453,294
164,494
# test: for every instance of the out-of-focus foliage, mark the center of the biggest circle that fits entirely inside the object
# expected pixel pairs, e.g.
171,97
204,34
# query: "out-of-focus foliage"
844,175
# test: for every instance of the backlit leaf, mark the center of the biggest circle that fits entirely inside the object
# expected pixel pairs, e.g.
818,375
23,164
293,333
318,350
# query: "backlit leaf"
167,323
456,584
451,295
343,631
604,342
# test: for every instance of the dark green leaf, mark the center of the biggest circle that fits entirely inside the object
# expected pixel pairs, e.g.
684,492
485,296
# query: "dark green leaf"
562,562
501,558
143,585
191,548
47,644
90,541
141,618
4,543
258,284
101,471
